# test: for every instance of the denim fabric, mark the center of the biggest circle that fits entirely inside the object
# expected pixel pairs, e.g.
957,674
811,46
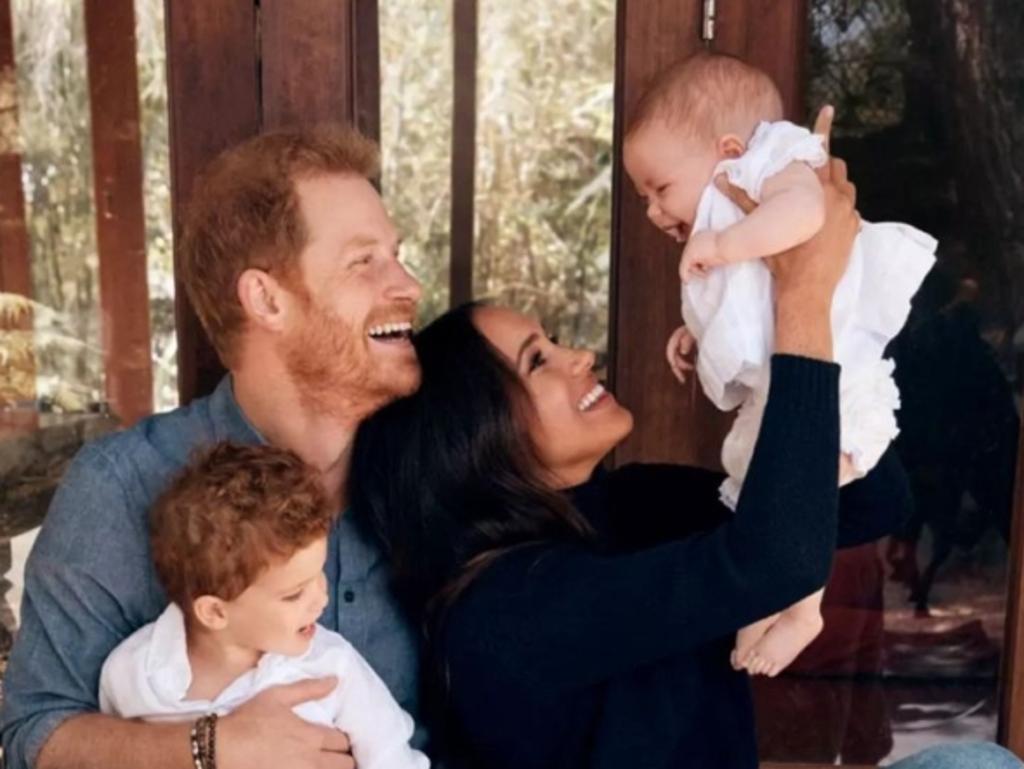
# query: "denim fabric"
90,582
967,755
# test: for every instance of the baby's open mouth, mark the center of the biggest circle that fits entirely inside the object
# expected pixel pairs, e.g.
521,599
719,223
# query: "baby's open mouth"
679,232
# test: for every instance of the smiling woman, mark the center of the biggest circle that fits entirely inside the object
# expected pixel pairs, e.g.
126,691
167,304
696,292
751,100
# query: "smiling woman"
574,421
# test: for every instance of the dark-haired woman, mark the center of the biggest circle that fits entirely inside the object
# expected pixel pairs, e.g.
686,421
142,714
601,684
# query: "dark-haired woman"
586,620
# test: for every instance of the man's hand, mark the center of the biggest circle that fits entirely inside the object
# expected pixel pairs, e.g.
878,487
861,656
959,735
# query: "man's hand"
264,733
700,255
680,345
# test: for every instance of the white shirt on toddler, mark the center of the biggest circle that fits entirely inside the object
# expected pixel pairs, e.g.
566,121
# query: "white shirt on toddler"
730,313
148,675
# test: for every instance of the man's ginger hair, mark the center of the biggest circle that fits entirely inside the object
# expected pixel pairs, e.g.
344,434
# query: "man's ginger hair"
244,213
232,512
708,95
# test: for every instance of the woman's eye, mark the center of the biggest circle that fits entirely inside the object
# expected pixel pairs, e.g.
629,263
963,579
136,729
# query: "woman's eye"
293,597
364,259
536,361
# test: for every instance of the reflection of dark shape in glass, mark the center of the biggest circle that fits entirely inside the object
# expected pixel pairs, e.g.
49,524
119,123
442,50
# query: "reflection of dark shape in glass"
835,684
958,438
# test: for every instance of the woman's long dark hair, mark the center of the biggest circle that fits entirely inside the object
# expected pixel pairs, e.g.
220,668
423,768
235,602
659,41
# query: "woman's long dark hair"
448,478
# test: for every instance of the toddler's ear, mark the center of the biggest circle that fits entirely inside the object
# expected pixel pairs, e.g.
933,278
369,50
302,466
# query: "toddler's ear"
210,611
731,146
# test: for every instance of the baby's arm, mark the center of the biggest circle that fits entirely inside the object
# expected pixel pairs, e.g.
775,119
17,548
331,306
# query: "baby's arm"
792,209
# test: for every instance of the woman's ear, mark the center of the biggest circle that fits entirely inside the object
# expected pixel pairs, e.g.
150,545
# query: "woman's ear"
211,612
731,146
263,298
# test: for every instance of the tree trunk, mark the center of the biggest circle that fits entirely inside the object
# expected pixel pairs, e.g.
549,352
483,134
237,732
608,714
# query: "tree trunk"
977,57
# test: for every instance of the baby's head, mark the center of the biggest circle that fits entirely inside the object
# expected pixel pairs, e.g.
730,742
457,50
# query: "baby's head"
239,541
696,113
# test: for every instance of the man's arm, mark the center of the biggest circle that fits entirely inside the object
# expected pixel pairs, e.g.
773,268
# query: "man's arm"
262,734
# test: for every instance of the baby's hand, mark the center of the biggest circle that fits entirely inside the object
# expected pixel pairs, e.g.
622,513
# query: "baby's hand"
680,345
700,255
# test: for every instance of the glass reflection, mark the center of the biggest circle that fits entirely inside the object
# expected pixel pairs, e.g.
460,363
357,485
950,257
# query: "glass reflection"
915,624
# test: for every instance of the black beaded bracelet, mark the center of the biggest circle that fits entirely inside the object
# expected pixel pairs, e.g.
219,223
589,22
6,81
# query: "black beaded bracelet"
203,739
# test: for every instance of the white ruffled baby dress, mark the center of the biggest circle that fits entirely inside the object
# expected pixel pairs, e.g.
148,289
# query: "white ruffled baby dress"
730,313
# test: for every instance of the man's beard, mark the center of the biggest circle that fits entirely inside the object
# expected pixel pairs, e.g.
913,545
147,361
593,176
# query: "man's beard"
335,373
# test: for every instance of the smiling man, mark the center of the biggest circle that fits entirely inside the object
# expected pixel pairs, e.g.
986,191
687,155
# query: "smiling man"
292,265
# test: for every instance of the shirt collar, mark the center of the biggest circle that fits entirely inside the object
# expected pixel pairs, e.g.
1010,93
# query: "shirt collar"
229,421
167,664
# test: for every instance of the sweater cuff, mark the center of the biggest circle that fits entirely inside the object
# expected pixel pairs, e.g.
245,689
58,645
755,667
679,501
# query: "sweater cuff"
807,384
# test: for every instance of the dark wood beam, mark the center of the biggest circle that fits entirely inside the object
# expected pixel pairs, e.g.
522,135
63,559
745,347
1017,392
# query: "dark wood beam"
306,62
120,220
771,35
213,102
15,268
366,68
1011,716
463,183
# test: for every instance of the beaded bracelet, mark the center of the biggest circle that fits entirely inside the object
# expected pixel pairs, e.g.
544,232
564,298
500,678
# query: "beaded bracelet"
203,739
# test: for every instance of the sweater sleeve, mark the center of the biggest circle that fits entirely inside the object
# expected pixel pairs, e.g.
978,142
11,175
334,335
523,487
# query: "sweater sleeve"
565,616
654,503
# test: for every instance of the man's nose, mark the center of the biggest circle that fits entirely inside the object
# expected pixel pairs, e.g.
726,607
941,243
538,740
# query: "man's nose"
403,286
654,212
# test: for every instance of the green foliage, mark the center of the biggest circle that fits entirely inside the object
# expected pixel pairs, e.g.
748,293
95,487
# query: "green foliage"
543,150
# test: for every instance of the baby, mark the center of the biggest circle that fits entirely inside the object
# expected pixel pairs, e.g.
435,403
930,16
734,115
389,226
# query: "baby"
712,114
239,541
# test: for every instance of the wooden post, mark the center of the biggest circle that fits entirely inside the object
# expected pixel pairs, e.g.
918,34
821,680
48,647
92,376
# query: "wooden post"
238,67
675,424
463,152
15,269
120,221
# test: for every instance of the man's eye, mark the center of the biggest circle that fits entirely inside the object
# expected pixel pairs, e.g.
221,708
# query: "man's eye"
364,259
293,597
662,188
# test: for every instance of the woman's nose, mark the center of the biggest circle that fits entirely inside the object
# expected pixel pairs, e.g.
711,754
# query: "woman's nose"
582,361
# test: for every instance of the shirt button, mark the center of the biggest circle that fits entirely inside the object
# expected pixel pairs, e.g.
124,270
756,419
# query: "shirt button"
349,596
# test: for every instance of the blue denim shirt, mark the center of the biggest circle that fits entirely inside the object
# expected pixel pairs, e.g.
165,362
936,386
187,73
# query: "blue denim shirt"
90,582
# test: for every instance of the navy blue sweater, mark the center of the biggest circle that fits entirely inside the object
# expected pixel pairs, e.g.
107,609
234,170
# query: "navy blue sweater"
617,655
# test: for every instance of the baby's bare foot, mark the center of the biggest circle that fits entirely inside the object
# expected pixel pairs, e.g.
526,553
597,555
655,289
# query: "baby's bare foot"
747,638
785,639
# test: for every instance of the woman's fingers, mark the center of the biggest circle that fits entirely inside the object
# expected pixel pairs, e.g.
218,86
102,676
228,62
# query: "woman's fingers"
335,741
823,124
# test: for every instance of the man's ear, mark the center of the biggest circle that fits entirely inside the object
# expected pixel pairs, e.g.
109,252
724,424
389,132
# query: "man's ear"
263,298
731,146
211,612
